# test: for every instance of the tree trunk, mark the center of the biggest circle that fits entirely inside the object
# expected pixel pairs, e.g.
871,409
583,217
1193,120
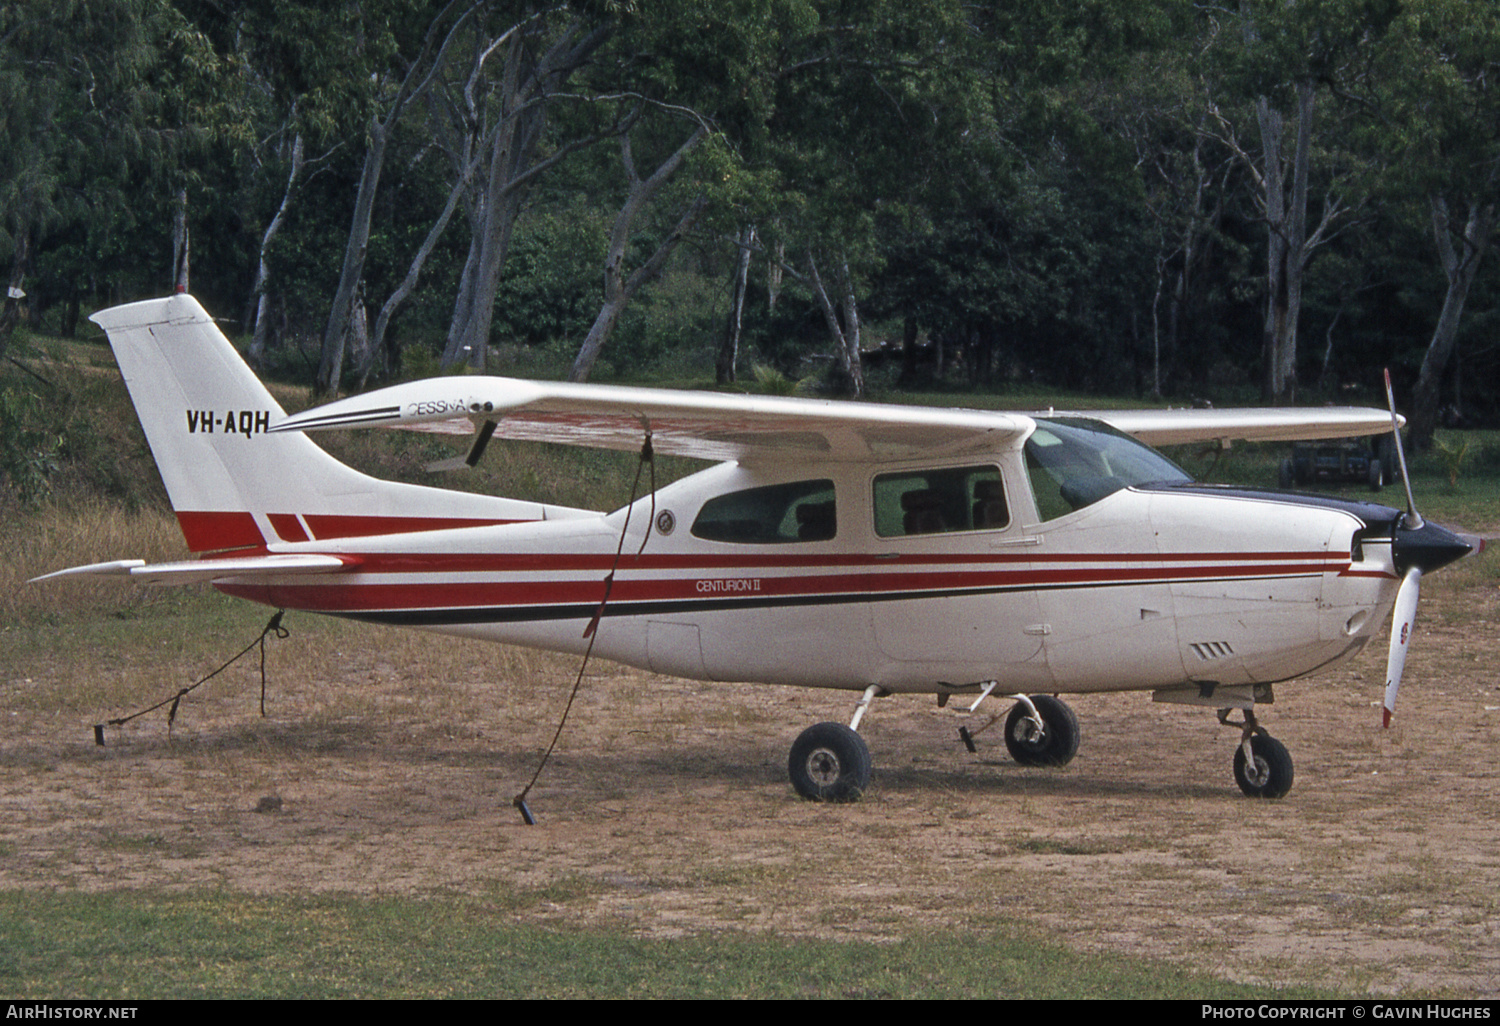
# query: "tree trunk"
1460,265
618,290
909,334
493,214
180,244
378,350
1287,250
331,362
853,339
774,274
14,310
525,86
617,297
845,338
729,349
257,355
359,329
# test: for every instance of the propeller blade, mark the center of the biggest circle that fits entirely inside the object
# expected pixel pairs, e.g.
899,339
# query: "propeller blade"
1413,518
1403,616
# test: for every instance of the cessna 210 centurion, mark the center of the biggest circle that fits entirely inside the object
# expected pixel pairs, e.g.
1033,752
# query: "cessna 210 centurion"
873,548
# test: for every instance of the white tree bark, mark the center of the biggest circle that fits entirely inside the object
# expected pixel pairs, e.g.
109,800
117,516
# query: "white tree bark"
618,288
1460,265
418,78
528,86
257,354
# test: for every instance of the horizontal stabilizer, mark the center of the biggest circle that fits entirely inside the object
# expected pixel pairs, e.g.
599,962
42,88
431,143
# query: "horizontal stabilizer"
195,571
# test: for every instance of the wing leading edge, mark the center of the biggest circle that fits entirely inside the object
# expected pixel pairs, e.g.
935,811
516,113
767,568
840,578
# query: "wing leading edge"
748,428
1283,424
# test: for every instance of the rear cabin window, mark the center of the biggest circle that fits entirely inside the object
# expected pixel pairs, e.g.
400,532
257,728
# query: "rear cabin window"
802,511
940,501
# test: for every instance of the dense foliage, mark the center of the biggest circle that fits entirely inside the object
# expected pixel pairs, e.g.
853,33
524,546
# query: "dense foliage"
1168,198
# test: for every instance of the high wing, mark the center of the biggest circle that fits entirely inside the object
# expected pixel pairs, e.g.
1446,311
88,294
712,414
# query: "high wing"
720,426
706,425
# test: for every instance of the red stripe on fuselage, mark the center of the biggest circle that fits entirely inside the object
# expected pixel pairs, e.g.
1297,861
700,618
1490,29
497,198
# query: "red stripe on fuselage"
215,532
540,562
222,531
288,528
327,526
343,594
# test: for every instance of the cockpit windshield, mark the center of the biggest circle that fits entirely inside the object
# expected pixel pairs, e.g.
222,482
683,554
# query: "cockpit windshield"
1073,463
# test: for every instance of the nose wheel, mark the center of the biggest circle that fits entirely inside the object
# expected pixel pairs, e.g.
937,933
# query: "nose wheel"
1262,765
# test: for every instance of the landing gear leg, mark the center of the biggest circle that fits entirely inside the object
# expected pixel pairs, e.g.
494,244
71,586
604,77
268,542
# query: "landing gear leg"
1262,765
829,761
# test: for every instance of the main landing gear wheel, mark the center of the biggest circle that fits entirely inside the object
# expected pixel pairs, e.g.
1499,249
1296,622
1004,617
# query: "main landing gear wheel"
1054,744
829,763
1269,775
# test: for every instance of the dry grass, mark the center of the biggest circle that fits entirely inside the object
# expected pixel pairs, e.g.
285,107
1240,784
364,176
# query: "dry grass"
54,537
666,811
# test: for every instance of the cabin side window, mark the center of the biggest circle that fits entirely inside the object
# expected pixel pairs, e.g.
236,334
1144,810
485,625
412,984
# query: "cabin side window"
940,501
802,511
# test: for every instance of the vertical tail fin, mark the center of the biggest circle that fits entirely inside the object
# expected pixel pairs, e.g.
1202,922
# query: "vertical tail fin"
233,485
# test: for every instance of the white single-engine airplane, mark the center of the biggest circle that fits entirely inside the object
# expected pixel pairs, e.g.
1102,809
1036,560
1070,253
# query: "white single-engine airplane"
878,549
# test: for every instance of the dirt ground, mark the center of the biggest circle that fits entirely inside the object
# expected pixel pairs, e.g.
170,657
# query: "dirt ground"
666,809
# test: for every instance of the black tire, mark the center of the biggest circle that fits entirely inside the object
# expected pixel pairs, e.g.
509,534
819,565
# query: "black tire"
1385,449
1377,474
1055,745
1286,476
1273,766
829,763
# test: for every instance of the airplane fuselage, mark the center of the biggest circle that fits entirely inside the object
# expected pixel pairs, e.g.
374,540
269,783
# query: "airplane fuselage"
1150,587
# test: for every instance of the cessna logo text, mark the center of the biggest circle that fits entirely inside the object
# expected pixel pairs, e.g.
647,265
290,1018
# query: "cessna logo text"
234,422
426,409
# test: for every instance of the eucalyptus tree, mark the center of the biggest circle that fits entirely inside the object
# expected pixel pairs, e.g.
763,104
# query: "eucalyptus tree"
1434,88
1189,183
494,126
1274,65
620,283
865,97
409,43
701,77
307,84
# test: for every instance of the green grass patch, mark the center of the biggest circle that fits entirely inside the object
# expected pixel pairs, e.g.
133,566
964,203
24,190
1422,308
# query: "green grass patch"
139,946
